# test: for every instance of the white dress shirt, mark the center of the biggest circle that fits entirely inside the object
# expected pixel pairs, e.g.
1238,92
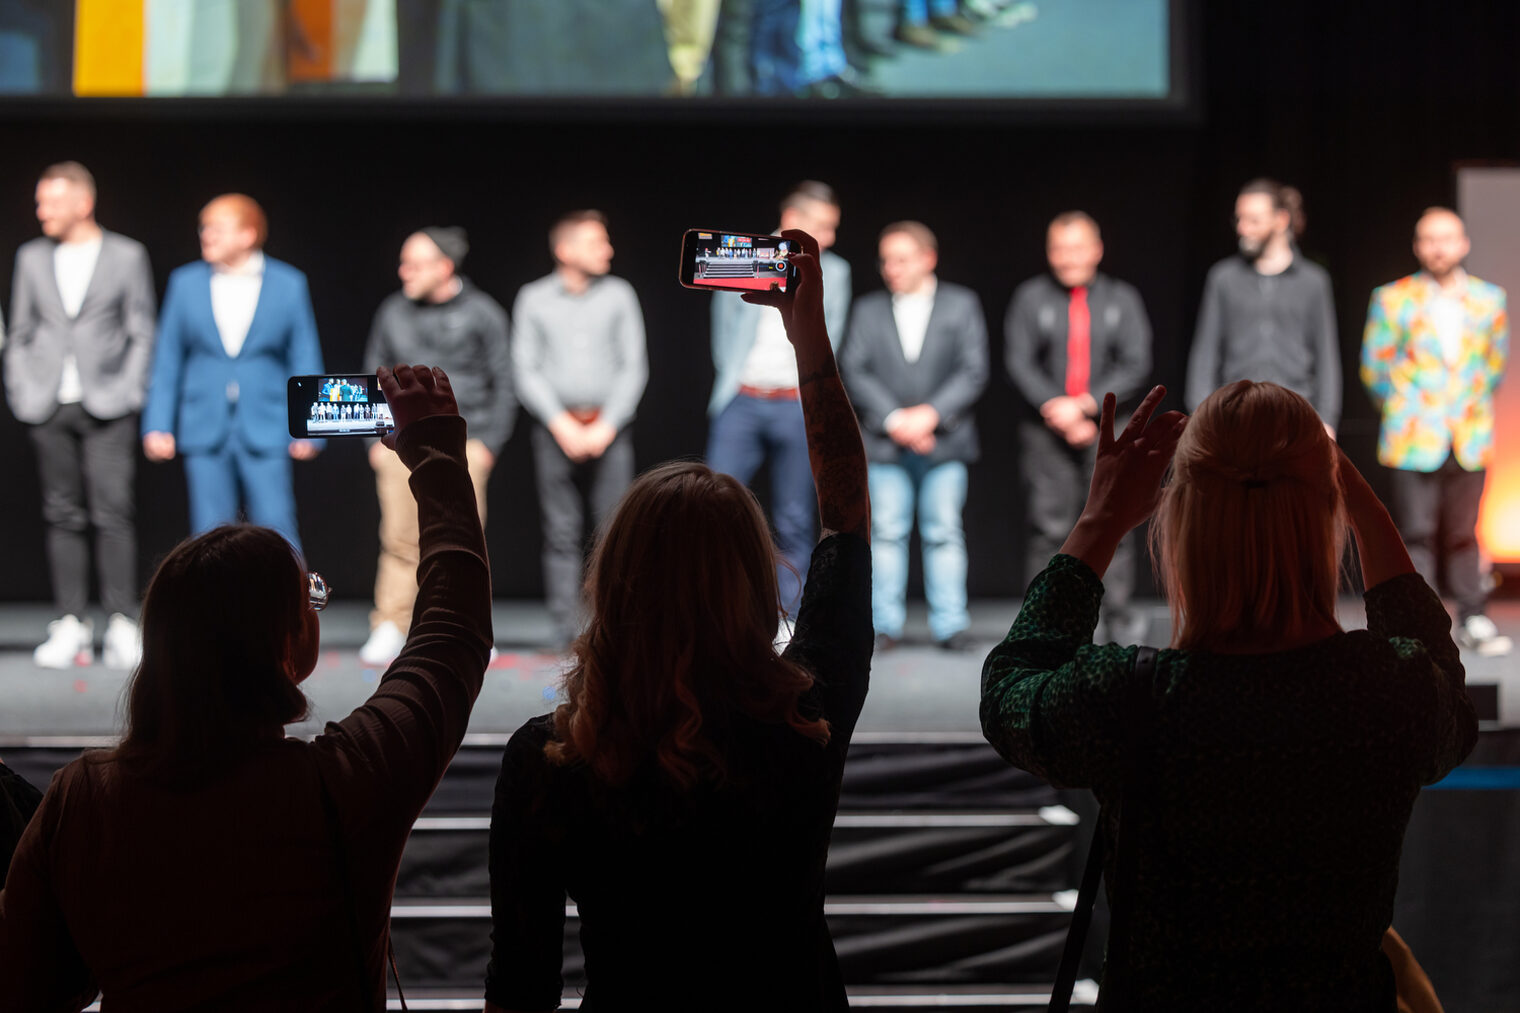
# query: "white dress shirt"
772,362
910,310
1448,314
234,297
73,267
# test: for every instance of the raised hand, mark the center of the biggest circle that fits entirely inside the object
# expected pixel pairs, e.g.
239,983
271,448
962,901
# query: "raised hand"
415,392
1126,482
801,305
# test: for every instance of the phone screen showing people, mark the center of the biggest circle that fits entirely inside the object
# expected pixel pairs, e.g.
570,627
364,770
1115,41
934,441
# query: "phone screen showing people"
736,261
322,407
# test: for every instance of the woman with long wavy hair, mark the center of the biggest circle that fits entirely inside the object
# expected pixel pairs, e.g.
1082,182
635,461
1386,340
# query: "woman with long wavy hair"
684,793
209,862
1284,753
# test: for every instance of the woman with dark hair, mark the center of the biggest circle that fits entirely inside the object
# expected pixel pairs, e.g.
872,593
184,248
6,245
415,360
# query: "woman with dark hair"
208,862
1284,754
684,793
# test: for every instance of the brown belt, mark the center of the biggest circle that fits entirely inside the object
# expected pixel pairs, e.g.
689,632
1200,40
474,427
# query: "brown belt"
770,393
585,416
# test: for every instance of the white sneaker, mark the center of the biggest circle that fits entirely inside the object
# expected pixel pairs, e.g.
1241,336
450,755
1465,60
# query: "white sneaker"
71,641
384,643
1478,633
122,644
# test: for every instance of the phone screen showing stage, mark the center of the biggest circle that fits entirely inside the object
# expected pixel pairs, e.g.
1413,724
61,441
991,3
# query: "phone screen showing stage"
736,261
322,407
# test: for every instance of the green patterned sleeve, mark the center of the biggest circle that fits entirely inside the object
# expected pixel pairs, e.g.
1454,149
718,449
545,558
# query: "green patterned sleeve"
1052,702
1409,615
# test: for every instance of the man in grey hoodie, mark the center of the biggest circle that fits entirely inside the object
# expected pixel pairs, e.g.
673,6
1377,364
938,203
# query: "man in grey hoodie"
438,317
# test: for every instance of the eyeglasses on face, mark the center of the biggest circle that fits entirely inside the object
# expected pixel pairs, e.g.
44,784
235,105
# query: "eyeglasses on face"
317,591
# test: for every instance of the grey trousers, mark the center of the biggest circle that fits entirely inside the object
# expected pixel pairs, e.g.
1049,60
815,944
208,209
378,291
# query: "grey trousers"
564,489
86,466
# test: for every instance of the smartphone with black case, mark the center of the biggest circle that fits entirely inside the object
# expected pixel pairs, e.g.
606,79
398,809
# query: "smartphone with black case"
737,261
322,407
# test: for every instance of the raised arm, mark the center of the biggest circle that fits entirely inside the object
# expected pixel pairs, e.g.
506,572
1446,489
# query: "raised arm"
835,449
389,754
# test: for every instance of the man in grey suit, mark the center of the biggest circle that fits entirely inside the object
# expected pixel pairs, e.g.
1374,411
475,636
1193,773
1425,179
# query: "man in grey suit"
755,408
76,367
915,363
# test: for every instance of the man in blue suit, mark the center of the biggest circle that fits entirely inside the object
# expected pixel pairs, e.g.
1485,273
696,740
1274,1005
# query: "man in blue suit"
755,408
234,326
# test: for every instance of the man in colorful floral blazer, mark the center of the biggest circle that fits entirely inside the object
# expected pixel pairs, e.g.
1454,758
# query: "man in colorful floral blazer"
1433,352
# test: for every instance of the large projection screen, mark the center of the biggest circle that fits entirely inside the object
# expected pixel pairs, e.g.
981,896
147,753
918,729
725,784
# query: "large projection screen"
1488,199
664,53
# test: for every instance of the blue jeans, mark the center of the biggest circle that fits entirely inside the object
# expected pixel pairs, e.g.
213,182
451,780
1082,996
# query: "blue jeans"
916,12
220,480
775,58
940,492
821,36
745,432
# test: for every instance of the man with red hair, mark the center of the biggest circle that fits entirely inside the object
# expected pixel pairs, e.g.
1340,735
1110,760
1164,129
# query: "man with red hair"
234,326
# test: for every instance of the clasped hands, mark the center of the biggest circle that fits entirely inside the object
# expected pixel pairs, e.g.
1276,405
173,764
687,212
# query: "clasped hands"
1072,418
914,428
581,441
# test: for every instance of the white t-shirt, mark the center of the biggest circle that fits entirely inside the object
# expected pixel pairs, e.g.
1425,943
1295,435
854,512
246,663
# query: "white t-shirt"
771,363
234,297
911,313
73,267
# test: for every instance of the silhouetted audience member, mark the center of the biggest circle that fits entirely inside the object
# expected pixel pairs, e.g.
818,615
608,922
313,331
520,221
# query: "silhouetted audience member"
1285,753
209,862
18,801
690,760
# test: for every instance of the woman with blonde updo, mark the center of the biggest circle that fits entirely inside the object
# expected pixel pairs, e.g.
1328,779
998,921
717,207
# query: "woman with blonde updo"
1284,753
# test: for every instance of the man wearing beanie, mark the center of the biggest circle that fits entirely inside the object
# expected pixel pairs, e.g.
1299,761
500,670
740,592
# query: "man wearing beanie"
438,317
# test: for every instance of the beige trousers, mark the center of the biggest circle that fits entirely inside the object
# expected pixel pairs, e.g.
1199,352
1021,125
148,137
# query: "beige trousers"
689,27
396,576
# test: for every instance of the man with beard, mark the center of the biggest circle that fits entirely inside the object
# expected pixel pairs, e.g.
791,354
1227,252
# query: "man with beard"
1267,313
1434,351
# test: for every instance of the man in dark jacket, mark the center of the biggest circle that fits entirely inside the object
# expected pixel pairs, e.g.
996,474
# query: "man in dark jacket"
915,362
1073,335
438,317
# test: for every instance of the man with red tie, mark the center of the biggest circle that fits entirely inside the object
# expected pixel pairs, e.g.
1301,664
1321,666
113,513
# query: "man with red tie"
1074,335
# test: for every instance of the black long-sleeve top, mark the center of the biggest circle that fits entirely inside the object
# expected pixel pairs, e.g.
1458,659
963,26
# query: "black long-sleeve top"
721,889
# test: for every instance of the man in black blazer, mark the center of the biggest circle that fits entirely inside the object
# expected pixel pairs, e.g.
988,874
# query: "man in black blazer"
76,369
915,362
1073,335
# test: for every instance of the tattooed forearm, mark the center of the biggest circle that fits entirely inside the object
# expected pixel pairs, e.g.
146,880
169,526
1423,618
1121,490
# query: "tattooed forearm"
836,452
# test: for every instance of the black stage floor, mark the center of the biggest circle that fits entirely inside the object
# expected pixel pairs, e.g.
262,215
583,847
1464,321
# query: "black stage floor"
916,691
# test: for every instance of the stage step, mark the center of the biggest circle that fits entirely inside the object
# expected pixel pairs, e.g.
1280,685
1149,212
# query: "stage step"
975,852
898,940
990,998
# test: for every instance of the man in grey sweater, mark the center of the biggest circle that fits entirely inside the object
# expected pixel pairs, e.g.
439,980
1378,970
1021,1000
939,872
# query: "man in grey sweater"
1267,311
578,348
437,317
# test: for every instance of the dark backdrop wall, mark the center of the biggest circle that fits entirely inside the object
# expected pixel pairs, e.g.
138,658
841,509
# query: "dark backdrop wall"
1364,108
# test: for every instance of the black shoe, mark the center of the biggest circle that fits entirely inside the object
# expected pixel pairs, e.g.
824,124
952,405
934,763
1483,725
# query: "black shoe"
885,643
959,642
